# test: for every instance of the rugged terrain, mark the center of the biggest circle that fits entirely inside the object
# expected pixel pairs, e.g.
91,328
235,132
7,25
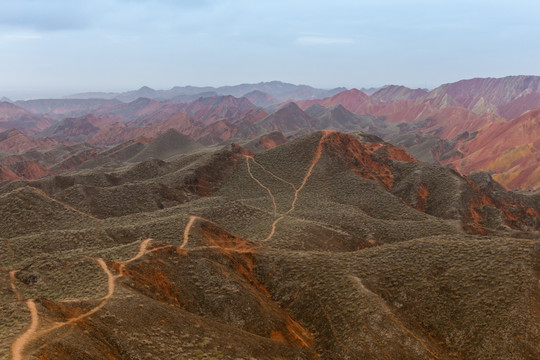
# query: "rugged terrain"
328,246
456,124
272,221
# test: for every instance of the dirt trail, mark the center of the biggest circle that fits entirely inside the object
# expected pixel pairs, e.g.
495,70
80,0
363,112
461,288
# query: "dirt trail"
32,333
142,251
67,206
314,161
262,185
11,252
19,344
272,174
13,278
192,219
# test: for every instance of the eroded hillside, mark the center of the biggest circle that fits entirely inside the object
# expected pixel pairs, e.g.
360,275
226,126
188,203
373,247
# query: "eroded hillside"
329,246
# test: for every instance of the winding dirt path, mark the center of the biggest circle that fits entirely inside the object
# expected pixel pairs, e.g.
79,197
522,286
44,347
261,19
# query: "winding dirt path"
261,184
142,251
19,344
17,349
67,206
11,252
13,278
33,333
272,174
314,161
192,219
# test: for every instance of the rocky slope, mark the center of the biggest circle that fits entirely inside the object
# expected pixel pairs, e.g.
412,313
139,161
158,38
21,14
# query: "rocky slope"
328,246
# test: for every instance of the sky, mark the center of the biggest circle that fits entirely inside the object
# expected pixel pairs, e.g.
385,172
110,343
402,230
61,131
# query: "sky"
60,47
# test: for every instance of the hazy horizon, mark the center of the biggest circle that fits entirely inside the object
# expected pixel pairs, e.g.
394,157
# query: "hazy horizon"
59,48
63,94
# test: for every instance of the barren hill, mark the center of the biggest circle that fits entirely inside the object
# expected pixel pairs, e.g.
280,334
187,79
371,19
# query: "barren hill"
509,149
14,141
260,98
13,116
236,232
394,93
316,248
353,100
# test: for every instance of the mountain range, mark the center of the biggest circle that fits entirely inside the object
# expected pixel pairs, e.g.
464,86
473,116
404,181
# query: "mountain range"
453,124
328,245
275,89
273,221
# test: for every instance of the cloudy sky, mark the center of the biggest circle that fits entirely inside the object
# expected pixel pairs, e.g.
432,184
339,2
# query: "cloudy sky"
58,47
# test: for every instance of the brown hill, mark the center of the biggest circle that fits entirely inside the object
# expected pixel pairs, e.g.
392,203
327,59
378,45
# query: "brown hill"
79,129
353,100
508,149
74,161
209,110
168,144
495,90
225,131
198,119
422,299
119,132
520,105
142,109
260,98
330,245
394,93
266,142
449,123
61,108
488,94
14,141
13,116
30,170
6,174
339,118
29,210
288,118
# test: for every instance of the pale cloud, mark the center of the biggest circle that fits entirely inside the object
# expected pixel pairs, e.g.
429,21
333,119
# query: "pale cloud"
323,40
20,37
107,45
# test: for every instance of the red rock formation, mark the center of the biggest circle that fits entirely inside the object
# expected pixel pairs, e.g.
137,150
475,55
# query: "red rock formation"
520,105
509,149
450,122
76,160
362,159
496,91
423,193
353,100
209,110
15,142
394,93
288,118
270,141
30,170
12,116
6,174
